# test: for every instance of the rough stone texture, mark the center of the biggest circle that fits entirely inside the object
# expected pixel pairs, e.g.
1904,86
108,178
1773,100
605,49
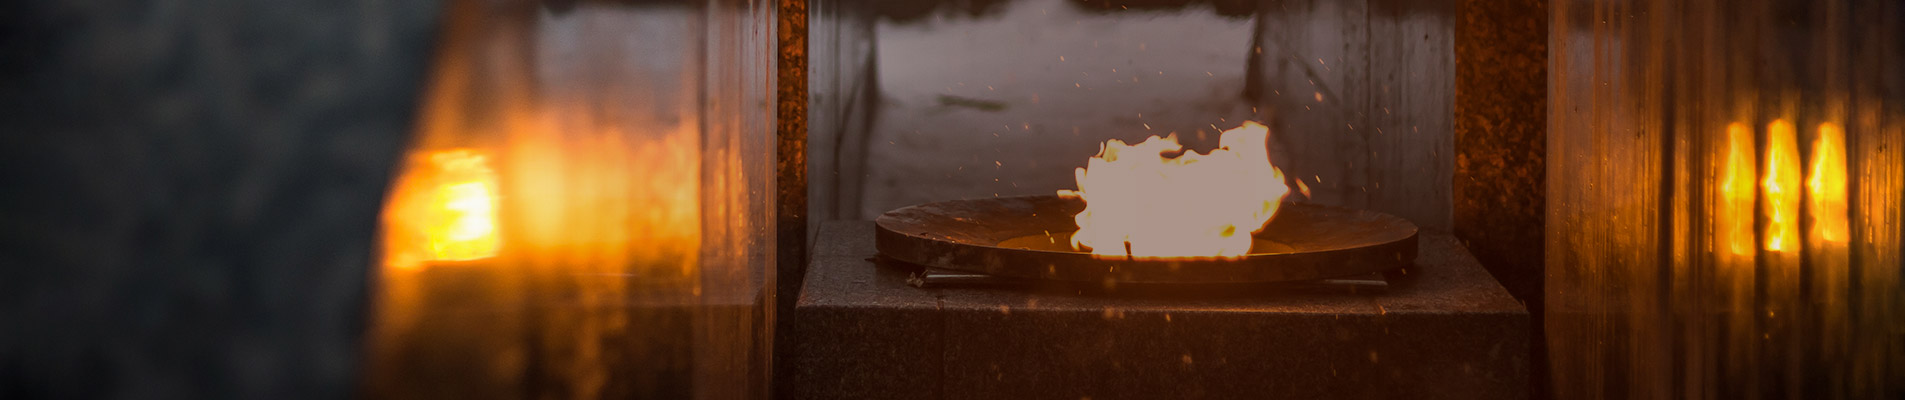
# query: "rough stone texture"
191,190
1501,93
1446,331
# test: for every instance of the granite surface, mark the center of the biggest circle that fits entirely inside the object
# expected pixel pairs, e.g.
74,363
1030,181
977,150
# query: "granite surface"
191,188
1445,330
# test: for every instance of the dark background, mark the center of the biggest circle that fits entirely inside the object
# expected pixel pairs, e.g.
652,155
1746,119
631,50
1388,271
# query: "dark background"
187,191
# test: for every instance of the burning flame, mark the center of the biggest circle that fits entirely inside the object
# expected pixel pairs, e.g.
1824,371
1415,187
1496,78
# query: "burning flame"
1142,202
1733,218
444,210
1782,185
1827,184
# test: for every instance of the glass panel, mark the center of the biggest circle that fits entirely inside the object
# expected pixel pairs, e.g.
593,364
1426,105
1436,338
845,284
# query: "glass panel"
586,209
1724,194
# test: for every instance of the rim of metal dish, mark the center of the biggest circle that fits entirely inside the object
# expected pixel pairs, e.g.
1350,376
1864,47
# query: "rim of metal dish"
964,235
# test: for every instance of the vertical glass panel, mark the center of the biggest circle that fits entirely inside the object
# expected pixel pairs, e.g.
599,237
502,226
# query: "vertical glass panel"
585,210
1762,262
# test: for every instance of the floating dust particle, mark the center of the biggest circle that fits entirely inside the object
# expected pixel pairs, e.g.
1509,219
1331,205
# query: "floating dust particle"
1146,126
1005,310
1319,97
1186,359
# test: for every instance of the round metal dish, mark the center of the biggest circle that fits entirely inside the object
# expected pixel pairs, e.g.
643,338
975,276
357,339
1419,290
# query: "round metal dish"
1029,237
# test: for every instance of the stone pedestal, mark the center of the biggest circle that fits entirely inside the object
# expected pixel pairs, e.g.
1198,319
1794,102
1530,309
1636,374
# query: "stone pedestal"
1445,329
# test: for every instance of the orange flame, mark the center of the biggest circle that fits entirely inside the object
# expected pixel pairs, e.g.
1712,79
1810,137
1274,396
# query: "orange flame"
1733,219
1781,185
1212,199
445,209
1827,184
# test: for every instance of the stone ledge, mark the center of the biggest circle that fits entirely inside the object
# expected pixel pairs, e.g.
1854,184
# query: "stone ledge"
1445,330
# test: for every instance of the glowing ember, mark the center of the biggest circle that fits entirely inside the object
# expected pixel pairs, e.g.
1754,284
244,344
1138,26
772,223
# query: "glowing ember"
1140,201
1782,186
445,209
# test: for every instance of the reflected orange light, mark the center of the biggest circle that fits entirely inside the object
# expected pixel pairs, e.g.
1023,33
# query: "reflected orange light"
443,208
1782,186
1140,201
1733,219
1827,184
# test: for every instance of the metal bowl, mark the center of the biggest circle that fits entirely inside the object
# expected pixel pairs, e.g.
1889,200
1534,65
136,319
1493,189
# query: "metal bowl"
1029,237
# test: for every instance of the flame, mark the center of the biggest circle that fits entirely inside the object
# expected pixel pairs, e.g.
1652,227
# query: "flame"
1827,184
1781,185
1140,202
444,208
1733,220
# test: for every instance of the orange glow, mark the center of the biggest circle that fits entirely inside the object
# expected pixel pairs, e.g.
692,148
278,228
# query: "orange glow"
1733,218
445,205
1827,184
1138,197
1782,186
